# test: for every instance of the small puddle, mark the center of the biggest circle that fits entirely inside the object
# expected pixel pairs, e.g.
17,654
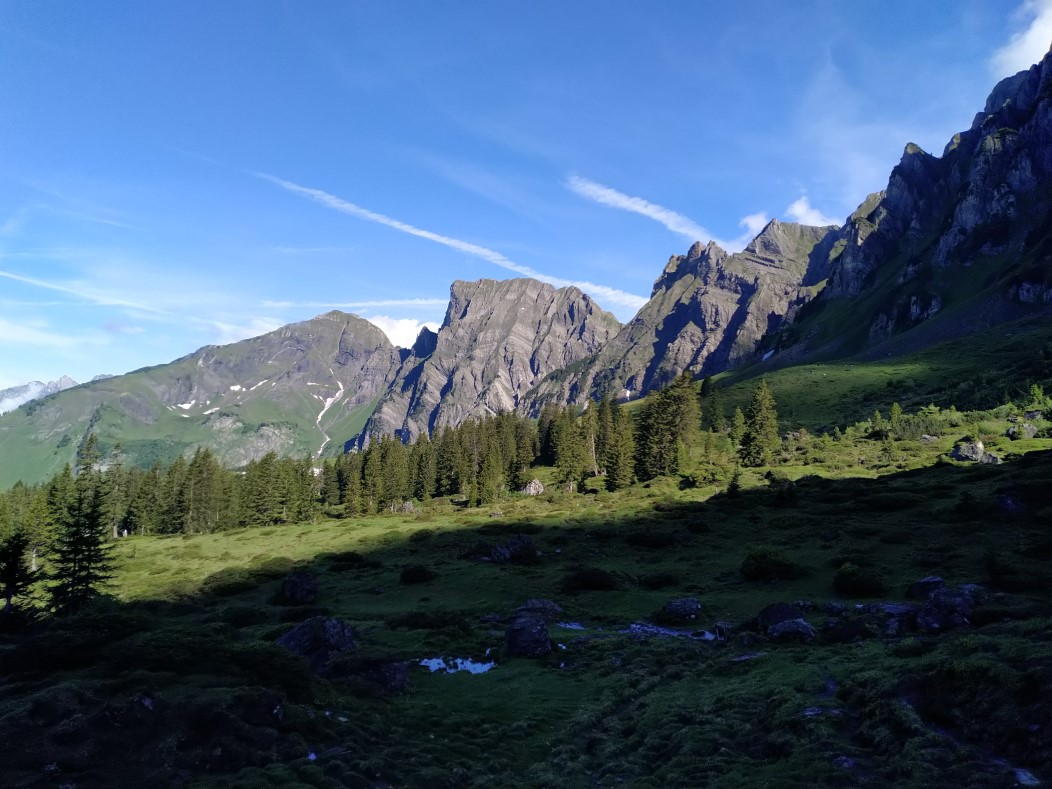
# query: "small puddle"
570,625
453,665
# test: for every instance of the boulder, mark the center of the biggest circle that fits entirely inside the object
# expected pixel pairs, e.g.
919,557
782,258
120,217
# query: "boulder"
922,589
533,488
546,609
1033,416
973,451
527,636
407,507
778,612
319,640
968,450
680,610
792,630
518,550
298,588
1025,430
381,676
948,608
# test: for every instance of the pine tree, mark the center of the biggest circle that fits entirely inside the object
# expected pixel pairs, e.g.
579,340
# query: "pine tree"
81,560
761,439
738,428
619,458
16,574
525,442
895,418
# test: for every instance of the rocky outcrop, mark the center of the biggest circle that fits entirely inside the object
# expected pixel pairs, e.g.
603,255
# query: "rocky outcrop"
319,641
708,311
527,636
498,339
984,204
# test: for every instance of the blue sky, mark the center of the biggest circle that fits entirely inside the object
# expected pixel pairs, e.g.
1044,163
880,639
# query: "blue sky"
174,174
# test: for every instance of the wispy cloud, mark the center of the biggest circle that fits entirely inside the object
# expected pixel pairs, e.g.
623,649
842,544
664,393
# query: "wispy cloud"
39,335
85,293
677,223
1029,45
601,292
606,195
801,210
358,305
754,223
401,331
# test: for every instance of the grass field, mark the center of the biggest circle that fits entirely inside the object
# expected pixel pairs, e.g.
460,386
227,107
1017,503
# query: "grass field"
177,680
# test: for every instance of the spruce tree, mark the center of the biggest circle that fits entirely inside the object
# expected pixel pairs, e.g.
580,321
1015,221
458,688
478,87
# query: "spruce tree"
761,439
16,574
81,555
738,428
619,458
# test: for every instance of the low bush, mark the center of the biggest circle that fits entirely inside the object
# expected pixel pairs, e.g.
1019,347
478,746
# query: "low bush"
854,581
416,574
589,579
770,564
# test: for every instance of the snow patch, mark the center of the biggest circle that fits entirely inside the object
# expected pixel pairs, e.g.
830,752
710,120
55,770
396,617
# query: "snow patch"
186,406
254,388
211,411
236,388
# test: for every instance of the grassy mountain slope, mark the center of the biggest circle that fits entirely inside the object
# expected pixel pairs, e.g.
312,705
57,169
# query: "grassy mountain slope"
303,389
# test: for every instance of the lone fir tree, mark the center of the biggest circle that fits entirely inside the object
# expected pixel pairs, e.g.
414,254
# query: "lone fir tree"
761,439
82,560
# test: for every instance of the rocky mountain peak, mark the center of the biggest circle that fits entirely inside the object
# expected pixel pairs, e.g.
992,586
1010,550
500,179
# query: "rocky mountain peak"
498,339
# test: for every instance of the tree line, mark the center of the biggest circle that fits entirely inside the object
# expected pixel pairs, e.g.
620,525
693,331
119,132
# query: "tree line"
71,520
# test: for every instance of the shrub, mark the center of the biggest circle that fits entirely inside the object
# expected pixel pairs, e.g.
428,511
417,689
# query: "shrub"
854,581
770,564
416,574
589,579
659,581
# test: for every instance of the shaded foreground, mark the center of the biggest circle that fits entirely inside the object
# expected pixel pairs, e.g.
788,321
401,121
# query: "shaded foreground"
183,684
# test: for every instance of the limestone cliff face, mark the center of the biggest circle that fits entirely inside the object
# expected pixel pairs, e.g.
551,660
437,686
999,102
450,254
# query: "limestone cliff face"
954,243
498,339
707,312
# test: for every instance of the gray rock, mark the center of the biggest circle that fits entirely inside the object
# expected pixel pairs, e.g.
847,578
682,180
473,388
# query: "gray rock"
319,639
922,589
1024,430
948,608
792,630
298,588
535,606
968,450
991,459
680,611
1033,416
775,613
533,488
527,636
518,550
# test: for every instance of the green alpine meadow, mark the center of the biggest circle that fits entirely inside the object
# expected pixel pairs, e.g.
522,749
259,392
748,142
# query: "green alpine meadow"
784,523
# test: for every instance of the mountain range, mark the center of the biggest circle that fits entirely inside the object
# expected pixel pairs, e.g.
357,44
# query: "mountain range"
955,244
14,396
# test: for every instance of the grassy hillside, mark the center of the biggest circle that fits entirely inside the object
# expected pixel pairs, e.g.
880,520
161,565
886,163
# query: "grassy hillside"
981,371
178,679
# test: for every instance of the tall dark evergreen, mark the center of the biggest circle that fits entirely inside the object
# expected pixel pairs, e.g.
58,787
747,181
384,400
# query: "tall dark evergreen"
620,449
761,439
81,560
17,575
